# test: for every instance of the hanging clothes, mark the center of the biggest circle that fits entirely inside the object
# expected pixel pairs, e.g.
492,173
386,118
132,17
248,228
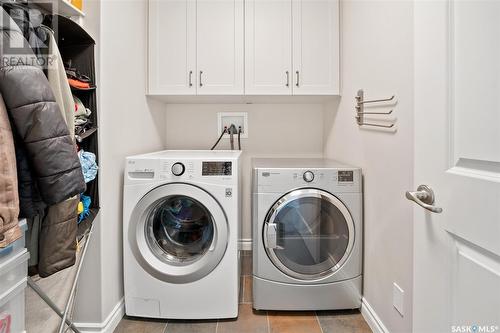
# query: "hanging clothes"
57,239
9,198
37,119
58,81
48,163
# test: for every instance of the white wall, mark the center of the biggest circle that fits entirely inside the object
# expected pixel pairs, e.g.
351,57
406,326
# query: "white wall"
377,55
88,297
274,130
129,124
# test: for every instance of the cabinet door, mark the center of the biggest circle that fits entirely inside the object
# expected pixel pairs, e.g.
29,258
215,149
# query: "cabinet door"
268,47
315,47
220,67
172,47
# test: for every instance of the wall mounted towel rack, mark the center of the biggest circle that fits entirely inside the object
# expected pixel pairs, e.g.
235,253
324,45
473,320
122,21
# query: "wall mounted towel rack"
360,109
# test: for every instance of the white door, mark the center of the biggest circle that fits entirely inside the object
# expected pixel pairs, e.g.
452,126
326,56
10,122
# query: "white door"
172,47
220,54
268,47
315,47
457,154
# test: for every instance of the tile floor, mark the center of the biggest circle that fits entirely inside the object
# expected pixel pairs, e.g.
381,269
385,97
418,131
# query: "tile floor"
251,321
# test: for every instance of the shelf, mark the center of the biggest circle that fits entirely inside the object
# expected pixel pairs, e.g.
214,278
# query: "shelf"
73,89
61,7
86,134
87,222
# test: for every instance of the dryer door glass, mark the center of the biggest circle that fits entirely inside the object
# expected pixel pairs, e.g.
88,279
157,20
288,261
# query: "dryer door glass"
179,229
309,234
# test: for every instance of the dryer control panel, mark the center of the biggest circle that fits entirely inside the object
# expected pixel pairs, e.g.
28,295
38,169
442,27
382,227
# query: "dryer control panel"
279,180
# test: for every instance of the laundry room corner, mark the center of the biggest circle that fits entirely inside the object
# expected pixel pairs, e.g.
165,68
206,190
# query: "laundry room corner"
385,154
129,123
275,130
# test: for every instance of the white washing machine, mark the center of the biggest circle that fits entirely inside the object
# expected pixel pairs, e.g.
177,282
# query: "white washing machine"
181,215
307,235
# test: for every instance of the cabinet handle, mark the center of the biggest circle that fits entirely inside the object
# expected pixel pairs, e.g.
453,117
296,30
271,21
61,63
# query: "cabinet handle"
190,78
201,84
287,79
298,76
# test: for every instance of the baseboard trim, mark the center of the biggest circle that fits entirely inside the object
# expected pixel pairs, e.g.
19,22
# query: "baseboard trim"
371,317
245,244
109,324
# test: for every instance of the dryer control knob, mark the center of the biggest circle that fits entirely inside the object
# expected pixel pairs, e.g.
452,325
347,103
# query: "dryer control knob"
178,169
308,176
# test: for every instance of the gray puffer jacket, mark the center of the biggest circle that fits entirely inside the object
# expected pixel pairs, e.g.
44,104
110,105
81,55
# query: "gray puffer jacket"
36,119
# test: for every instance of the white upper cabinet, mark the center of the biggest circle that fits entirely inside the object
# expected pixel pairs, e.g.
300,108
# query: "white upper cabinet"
172,47
268,47
220,44
315,47
196,47
243,47
292,47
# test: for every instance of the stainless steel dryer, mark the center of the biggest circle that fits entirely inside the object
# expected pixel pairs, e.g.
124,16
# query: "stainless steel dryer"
307,235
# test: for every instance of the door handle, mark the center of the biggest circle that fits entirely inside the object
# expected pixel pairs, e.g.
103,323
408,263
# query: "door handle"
201,84
271,236
190,78
287,78
298,77
424,197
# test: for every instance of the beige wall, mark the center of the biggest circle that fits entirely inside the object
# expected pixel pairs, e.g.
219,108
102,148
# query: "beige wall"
377,55
274,130
129,123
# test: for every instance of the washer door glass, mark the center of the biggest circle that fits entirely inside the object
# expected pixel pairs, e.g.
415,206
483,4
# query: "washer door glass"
178,232
179,229
308,234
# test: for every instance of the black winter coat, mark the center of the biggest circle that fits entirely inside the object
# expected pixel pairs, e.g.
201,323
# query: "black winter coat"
42,138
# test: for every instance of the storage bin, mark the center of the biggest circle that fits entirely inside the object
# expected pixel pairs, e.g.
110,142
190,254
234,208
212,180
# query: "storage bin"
16,247
12,307
13,271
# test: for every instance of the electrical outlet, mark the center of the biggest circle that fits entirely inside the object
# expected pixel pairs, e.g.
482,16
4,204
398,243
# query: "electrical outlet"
225,119
398,298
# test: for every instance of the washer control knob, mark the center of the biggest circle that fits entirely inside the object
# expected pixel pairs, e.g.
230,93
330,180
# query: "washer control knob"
178,169
308,176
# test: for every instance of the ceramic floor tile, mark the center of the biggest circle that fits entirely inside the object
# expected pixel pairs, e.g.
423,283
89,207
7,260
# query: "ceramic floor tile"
293,322
249,321
246,265
343,321
191,326
132,325
247,290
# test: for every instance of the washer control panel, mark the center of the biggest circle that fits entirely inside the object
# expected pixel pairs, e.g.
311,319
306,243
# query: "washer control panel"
178,169
216,168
